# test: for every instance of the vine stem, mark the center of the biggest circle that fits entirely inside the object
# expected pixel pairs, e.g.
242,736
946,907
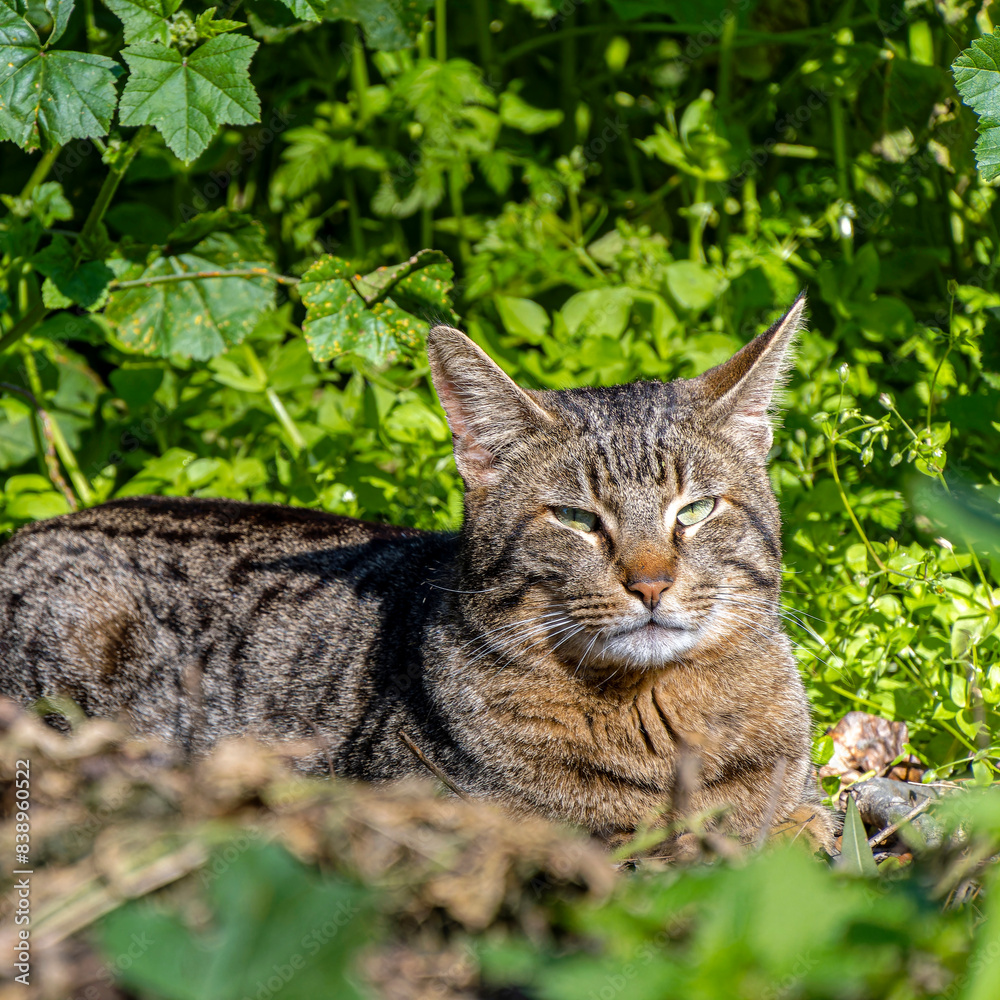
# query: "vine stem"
111,182
163,279
805,36
66,456
832,456
440,31
41,171
31,318
46,456
284,418
359,75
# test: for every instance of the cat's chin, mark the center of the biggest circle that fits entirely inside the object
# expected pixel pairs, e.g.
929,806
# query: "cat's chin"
646,646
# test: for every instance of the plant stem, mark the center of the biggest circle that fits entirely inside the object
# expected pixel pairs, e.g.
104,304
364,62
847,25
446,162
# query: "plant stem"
440,31
111,182
484,39
359,75
65,453
162,279
840,158
353,217
30,319
725,77
832,456
41,171
289,425
455,192
426,227
47,461
806,36
697,221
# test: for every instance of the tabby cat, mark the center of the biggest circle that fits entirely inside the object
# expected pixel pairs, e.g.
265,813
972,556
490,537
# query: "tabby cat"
600,643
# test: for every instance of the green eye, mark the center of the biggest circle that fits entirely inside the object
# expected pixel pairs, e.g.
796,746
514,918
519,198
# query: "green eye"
697,511
573,517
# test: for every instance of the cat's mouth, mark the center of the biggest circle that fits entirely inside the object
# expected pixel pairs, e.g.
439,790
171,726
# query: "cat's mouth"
651,643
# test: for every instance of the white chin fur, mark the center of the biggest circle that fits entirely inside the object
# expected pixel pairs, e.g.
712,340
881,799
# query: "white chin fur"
645,647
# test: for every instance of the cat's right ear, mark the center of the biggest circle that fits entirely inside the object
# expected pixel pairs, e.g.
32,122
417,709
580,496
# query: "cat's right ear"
486,411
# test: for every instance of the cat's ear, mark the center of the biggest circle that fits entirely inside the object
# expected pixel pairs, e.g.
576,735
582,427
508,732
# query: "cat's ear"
740,392
486,410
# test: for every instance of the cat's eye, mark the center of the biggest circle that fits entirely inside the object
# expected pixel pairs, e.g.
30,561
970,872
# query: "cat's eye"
697,511
574,517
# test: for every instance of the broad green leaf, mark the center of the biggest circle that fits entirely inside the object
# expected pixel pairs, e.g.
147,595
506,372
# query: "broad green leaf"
200,317
338,320
857,855
144,20
187,97
83,284
387,24
523,317
435,286
429,287
56,95
599,311
977,78
693,286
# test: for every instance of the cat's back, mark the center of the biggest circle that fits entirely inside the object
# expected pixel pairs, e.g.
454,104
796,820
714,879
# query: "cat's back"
115,602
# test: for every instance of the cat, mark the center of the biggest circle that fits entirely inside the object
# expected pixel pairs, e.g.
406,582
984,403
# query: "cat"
599,643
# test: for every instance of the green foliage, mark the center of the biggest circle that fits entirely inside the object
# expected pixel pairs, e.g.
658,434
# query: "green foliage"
270,917
780,926
977,77
197,302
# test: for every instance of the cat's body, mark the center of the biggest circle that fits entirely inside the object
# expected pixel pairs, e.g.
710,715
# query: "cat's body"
583,648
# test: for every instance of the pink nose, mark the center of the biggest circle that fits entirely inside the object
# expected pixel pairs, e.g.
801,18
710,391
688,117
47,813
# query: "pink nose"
649,590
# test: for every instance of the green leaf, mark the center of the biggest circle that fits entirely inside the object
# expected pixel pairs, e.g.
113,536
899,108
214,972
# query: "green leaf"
306,10
523,317
197,318
83,284
208,26
187,97
519,114
57,96
977,78
337,318
273,919
693,286
434,287
50,17
144,20
857,855
387,24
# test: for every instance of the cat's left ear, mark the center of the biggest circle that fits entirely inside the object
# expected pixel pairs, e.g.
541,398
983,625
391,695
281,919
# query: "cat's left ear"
740,392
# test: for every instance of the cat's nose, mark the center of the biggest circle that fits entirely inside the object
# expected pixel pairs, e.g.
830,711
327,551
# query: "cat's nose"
650,590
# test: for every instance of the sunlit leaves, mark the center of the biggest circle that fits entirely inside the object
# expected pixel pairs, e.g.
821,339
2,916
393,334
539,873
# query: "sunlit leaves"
50,95
197,318
145,20
348,313
187,97
977,77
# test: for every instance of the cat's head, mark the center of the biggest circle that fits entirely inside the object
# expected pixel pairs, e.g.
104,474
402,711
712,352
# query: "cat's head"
630,526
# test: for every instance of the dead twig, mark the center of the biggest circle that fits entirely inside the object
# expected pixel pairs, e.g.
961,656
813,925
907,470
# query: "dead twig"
432,767
885,834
